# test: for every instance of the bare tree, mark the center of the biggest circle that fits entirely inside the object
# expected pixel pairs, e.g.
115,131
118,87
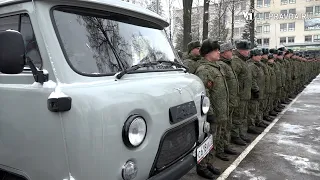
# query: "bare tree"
252,23
205,29
218,24
187,10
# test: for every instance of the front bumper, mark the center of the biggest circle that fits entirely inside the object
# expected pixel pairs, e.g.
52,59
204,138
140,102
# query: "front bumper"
177,170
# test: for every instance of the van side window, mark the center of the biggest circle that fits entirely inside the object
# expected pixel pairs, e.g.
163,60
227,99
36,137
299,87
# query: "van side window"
22,23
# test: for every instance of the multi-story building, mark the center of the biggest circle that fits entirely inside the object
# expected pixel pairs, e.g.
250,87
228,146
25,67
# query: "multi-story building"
241,7
282,22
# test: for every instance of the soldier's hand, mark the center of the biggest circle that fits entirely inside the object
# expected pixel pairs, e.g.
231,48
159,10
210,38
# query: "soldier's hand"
255,94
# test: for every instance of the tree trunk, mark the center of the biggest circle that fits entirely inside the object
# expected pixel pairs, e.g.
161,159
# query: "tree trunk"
232,21
187,9
205,29
252,23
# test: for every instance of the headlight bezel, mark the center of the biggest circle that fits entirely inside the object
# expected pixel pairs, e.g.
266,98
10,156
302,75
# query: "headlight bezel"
126,130
203,98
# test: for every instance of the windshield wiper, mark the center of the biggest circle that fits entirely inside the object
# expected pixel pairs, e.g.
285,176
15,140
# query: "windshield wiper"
175,63
138,66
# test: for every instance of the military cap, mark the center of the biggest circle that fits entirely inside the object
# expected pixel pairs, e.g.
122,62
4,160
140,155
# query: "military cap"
280,53
255,52
290,50
209,45
265,51
226,47
282,49
193,44
274,51
270,56
243,44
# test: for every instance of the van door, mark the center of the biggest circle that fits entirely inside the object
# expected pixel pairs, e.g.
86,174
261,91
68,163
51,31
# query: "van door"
31,137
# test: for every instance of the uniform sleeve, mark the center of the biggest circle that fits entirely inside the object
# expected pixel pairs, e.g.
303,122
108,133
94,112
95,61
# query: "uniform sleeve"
235,66
254,87
206,78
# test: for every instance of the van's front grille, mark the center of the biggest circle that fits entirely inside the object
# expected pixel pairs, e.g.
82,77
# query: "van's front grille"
174,145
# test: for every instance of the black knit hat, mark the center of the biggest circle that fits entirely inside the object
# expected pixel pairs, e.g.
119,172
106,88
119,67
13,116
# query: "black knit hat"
209,45
193,44
255,52
280,53
265,51
243,45
282,49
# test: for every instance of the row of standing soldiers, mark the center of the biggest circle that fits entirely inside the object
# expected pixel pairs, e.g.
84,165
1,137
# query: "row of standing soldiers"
247,88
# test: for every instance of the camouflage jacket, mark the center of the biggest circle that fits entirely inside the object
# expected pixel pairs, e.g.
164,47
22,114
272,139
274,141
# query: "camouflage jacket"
240,67
267,75
232,81
273,78
258,78
192,62
277,69
283,72
213,77
288,70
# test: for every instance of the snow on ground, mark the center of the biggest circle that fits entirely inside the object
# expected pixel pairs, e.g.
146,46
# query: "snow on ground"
249,174
303,165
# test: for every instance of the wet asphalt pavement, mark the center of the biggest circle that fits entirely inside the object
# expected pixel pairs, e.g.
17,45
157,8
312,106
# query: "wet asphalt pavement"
290,150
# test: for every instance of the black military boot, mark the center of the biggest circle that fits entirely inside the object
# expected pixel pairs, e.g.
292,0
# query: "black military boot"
268,118
273,113
222,156
238,141
281,106
229,150
246,139
288,100
253,130
214,170
285,102
277,109
205,172
262,124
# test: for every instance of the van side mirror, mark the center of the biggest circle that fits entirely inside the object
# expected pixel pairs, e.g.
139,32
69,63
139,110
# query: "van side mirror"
12,52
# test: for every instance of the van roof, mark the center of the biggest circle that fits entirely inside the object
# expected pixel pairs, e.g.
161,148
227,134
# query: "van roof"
115,3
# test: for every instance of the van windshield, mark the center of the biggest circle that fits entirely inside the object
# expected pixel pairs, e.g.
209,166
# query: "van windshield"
103,43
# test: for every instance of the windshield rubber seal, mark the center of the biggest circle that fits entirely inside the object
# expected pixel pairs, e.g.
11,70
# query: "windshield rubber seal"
67,57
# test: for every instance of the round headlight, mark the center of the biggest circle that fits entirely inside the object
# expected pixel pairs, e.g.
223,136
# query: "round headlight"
134,131
205,104
129,170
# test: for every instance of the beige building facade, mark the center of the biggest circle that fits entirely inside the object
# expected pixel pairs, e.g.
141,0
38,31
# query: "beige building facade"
282,22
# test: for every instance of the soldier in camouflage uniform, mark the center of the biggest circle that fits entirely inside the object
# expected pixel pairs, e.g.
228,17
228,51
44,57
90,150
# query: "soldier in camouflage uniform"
284,74
289,63
213,77
240,66
264,107
277,68
192,60
257,92
233,87
273,84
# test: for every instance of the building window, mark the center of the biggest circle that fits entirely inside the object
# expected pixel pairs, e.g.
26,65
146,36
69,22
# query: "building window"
259,3
260,16
243,5
241,30
236,31
266,42
290,39
283,27
308,38
259,29
317,10
291,26
267,15
283,40
309,10
259,42
283,2
292,11
316,38
284,12
309,0
266,3
266,29
292,1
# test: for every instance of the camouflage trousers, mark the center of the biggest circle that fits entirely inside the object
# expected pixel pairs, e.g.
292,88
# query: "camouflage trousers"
263,104
240,116
271,99
230,128
266,105
254,113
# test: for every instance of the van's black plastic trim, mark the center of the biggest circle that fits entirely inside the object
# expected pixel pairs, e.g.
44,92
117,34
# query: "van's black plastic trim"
67,57
177,170
182,112
195,121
